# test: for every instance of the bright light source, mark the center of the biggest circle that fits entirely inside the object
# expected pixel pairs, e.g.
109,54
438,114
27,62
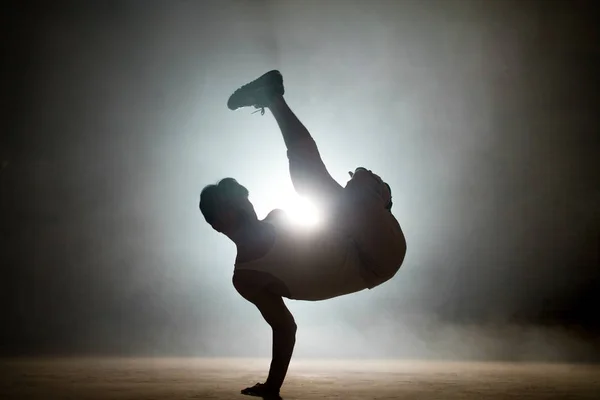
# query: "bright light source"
301,211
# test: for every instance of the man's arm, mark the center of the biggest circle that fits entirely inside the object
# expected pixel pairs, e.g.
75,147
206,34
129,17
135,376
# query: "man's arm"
277,315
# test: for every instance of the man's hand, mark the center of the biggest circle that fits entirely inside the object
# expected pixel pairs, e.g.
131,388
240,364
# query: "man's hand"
262,390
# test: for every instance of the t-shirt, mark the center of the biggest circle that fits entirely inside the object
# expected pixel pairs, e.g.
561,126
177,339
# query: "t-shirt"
315,264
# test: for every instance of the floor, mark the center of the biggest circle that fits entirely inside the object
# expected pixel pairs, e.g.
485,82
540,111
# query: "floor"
171,378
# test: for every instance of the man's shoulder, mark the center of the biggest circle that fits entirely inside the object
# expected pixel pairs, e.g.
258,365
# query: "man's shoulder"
277,215
248,283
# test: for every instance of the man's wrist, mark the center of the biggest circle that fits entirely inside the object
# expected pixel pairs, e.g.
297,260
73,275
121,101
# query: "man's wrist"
272,387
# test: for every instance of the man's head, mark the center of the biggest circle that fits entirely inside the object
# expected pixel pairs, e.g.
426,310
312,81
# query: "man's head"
226,207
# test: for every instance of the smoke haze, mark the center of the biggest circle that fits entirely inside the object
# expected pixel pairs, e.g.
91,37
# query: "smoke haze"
481,115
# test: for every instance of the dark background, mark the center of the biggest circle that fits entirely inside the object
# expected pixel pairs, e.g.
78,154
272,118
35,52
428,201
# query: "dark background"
482,115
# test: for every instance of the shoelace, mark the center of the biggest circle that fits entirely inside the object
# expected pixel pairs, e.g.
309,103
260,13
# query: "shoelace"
261,109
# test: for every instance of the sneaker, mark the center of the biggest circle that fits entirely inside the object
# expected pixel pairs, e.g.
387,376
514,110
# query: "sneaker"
258,93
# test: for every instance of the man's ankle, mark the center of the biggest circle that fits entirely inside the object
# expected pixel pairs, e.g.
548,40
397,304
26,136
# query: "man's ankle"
276,101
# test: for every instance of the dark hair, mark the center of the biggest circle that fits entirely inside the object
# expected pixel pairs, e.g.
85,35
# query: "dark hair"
212,196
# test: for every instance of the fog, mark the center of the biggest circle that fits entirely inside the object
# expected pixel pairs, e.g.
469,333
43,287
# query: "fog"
480,115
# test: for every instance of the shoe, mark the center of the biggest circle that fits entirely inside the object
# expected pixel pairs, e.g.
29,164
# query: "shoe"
258,93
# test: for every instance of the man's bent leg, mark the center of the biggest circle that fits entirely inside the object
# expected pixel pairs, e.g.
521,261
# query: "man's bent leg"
378,238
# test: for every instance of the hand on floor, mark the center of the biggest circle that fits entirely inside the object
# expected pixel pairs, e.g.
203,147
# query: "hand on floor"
262,390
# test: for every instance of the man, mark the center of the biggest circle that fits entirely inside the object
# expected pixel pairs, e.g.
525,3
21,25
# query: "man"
360,244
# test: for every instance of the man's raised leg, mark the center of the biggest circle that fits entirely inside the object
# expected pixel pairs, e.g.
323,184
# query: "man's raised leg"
307,170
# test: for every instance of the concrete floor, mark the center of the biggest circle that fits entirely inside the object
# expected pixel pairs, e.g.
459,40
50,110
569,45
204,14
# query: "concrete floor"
162,378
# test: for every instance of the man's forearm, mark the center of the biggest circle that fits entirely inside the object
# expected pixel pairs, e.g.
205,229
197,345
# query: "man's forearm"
283,347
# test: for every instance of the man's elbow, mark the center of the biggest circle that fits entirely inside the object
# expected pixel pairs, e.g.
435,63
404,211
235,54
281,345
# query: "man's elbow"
288,329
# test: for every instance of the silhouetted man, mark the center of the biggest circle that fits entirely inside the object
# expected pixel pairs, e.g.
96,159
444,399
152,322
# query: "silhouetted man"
359,245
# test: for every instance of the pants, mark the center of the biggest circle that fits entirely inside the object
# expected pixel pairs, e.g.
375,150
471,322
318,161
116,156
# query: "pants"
358,209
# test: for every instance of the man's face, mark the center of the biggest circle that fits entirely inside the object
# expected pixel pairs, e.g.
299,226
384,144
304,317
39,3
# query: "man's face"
227,219
231,215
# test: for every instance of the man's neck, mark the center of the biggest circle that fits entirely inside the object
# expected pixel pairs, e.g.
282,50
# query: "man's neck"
244,232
